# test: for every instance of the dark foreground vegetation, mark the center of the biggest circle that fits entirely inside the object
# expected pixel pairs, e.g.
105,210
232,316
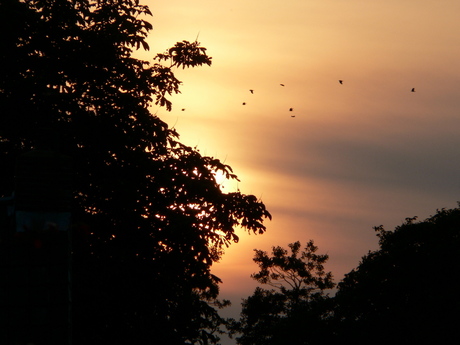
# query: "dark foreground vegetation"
406,292
149,218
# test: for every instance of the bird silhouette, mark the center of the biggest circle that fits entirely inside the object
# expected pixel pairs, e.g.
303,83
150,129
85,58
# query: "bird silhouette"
341,81
183,109
291,109
252,91
282,84
292,115
413,89
244,103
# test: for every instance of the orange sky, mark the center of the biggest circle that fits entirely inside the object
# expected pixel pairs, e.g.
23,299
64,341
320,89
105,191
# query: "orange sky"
356,155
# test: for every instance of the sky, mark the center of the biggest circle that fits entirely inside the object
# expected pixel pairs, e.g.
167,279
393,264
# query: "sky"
356,155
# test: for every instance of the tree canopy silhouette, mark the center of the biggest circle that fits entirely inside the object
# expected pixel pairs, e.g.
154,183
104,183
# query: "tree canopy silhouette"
149,216
406,292
294,310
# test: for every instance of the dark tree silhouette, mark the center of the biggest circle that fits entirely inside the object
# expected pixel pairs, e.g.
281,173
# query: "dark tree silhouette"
407,291
295,309
149,216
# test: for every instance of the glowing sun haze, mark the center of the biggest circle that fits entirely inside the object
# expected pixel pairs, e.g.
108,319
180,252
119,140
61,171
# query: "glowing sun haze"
356,155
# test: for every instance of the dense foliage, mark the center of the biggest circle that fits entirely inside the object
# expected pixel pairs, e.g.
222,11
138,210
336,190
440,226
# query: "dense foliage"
406,292
150,217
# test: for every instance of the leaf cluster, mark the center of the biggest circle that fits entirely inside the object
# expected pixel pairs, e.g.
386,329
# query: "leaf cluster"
301,271
186,54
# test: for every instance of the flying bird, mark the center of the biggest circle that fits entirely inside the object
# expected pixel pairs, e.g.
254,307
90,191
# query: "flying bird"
183,109
291,109
252,91
292,115
413,89
282,84
244,103
341,81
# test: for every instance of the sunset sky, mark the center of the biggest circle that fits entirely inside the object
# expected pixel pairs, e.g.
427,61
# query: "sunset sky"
356,155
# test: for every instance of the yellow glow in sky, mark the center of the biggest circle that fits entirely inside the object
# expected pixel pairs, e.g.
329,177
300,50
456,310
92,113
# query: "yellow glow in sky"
356,155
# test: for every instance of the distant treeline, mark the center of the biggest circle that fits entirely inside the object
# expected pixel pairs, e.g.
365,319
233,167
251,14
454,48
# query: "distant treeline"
406,292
